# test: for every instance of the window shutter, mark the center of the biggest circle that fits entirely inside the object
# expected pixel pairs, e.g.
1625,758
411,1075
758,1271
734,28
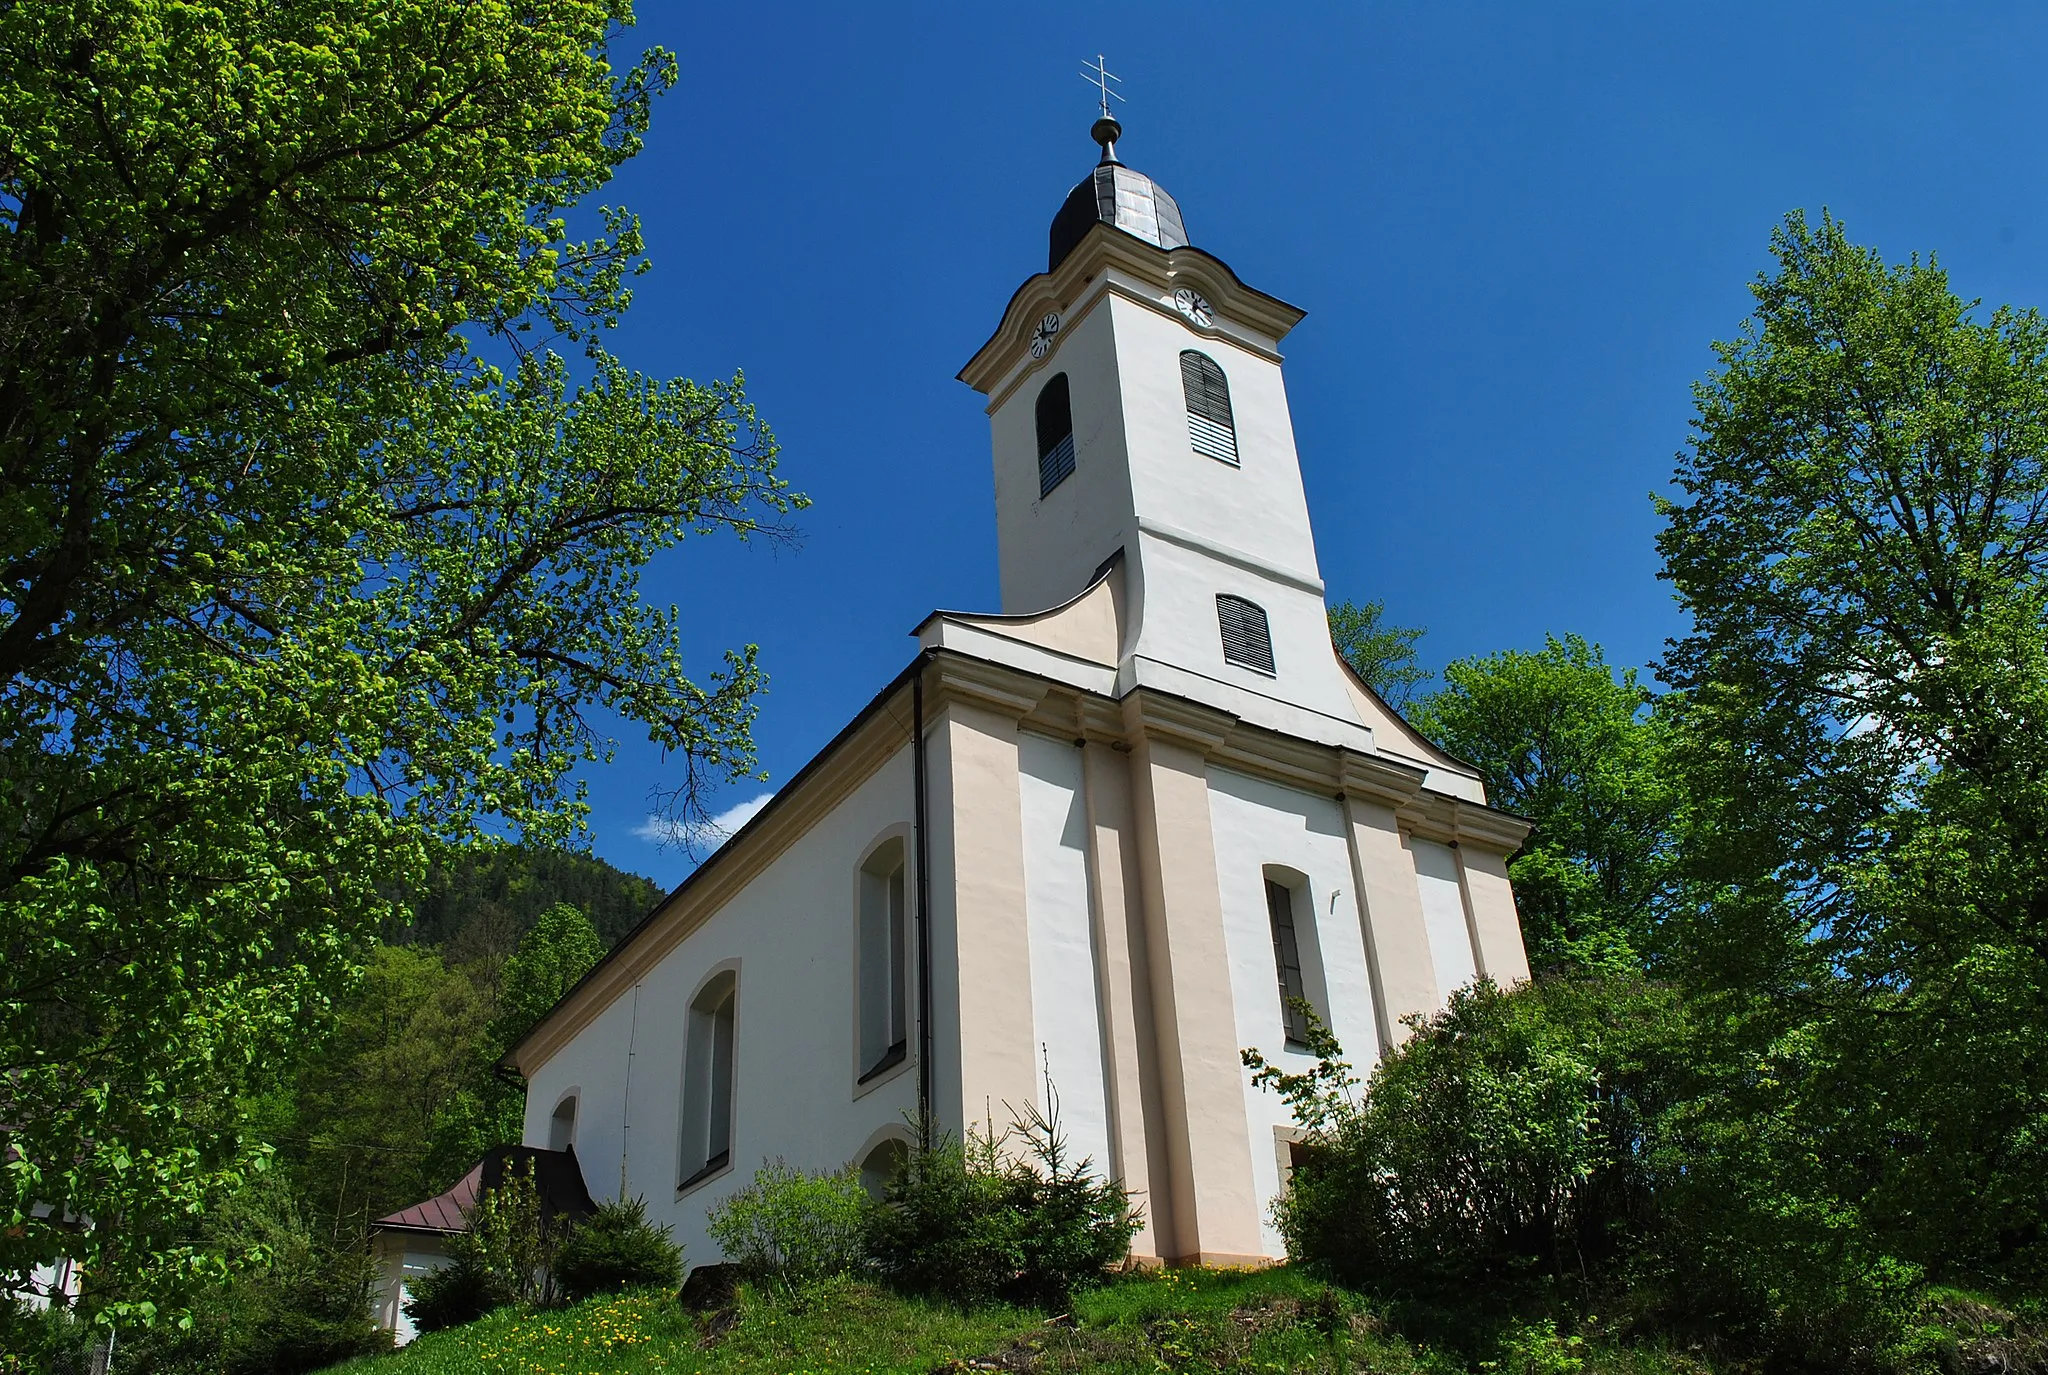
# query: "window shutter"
1055,417
1247,639
1211,430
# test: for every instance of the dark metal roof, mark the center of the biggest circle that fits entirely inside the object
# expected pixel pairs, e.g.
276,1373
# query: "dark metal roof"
1113,194
557,1178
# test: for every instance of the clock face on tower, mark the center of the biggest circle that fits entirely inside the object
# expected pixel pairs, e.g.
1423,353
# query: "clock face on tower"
1041,337
1190,303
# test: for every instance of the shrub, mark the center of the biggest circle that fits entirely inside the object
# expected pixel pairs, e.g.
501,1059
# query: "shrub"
1473,1157
1587,1140
463,1290
506,1256
946,1226
791,1227
291,1301
617,1248
982,1220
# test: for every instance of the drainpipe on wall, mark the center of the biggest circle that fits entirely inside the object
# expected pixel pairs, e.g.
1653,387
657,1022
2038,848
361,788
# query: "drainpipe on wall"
922,828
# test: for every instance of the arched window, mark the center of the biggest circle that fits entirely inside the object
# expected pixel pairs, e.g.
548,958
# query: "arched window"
880,1166
1055,414
562,1126
1210,428
708,1081
884,963
1247,639
1287,960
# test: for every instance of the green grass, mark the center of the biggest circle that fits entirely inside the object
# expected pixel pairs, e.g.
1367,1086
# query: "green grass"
1173,1321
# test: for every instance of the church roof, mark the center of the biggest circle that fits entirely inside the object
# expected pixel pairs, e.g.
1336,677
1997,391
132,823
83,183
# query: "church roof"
1114,194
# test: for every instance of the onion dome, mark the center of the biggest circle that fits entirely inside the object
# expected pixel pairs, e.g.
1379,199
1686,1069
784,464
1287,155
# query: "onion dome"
1113,194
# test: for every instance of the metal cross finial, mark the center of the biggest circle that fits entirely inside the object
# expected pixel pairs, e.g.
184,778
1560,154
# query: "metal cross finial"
1099,76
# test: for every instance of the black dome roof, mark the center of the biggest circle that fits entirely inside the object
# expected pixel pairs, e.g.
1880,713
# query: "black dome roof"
1113,194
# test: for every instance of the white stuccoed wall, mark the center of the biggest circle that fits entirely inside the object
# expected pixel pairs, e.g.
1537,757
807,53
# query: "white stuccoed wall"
1443,913
1048,549
793,931
1065,993
1259,824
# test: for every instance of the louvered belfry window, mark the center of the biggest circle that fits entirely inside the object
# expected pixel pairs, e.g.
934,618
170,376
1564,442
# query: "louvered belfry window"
1247,639
1210,428
1055,435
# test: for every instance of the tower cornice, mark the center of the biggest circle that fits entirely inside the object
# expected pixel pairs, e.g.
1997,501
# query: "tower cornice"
1119,263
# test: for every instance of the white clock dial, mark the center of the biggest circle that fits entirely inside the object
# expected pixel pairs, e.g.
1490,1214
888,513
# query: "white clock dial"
1190,303
1041,337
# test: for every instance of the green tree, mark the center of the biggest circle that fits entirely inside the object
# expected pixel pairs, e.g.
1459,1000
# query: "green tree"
1563,740
293,586
480,899
370,1102
559,950
1380,653
1860,537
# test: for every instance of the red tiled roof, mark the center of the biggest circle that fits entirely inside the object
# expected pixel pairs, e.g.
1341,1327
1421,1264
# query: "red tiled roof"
556,1177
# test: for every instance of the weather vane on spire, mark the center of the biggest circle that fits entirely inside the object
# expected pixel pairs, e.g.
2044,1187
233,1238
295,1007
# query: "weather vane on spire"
1106,130
1099,76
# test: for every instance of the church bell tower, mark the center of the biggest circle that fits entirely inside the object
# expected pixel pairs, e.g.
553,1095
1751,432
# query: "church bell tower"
1140,420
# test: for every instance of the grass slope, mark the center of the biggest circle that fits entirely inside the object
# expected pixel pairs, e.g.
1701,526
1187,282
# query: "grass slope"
1182,1320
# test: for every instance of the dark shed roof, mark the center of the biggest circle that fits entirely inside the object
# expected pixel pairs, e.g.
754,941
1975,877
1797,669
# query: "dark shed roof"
557,1178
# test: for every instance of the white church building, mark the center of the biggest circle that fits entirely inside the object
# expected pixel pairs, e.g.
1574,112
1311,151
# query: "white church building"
1106,834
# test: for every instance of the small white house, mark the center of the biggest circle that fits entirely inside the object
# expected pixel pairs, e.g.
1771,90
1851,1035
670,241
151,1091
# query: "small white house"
1107,833
414,1241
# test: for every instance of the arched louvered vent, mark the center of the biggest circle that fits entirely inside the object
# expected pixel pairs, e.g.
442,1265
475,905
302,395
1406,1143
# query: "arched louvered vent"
1247,639
1055,435
1210,428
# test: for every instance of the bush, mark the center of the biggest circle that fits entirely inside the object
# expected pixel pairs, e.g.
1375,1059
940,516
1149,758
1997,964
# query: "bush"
463,1290
507,1256
1586,1142
792,1227
946,1227
617,1248
291,1301
1501,1142
981,1220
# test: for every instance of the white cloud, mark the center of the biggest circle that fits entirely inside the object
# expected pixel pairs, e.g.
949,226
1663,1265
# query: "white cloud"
702,835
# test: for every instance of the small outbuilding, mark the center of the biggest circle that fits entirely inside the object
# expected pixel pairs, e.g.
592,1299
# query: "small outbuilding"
414,1241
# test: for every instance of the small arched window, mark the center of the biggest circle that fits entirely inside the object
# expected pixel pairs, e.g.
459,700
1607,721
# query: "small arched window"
880,1167
1055,415
562,1126
1210,427
708,1081
884,963
1247,639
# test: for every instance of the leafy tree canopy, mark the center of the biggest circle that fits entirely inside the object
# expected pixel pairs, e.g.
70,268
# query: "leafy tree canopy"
1861,538
294,588
1381,653
551,958
1563,740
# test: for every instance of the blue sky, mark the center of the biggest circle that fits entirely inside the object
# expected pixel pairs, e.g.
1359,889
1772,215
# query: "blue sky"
1515,229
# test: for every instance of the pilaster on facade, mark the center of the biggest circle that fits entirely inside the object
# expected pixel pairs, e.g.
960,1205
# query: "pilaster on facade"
1212,1211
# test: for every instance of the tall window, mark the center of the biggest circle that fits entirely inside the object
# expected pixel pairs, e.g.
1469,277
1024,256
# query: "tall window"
1210,428
1247,639
1055,414
884,1003
708,1081
1287,960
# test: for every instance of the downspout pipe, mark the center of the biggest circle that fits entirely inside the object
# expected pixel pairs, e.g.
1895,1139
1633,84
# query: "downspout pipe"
922,826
